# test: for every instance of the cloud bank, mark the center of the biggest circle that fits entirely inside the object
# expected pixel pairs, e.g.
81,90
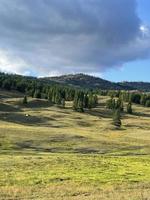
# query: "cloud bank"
48,37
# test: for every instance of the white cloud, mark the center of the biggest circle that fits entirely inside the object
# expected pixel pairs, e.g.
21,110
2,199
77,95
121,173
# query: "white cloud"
51,37
12,64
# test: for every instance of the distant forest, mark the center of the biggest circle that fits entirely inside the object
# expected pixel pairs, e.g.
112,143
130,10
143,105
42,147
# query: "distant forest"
83,98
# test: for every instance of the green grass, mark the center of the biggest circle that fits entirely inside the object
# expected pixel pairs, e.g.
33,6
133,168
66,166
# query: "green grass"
55,153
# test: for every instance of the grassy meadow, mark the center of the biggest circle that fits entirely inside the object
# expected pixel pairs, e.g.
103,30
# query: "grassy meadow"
47,152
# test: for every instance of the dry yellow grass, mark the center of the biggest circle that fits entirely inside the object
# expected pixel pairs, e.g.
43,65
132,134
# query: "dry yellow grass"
55,153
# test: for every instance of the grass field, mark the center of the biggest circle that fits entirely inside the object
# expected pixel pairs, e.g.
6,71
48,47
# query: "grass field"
47,152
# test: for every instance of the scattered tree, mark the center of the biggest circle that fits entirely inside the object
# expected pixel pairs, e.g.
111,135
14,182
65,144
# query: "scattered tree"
25,101
117,118
129,108
147,104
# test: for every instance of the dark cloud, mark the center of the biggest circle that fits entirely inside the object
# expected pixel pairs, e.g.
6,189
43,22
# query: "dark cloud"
53,36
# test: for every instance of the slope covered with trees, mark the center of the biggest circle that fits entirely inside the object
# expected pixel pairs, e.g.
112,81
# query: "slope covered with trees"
11,81
92,82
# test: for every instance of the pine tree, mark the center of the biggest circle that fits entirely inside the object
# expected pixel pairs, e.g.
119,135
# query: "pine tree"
86,101
37,94
63,103
50,96
90,101
81,102
75,101
129,108
147,104
143,99
117,118
119,105
95,100
58,98
78,103
109,104
25,101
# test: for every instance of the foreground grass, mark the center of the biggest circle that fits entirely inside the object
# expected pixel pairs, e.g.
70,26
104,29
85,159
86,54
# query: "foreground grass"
73,176
55,153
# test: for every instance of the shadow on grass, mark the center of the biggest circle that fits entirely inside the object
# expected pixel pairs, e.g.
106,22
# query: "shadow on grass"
143,127
9,108
100,113
24,119
83,124
38,103
139,114
55,143
65,138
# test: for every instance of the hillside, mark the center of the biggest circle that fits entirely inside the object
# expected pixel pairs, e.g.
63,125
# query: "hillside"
73,80
87,81
143,86
48,152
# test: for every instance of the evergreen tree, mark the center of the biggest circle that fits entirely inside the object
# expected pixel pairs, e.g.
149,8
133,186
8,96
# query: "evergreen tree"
143,100
37,94
90,100
50,96
135,98
75,101
25,101
129,108
86,101
119,105
78,103
117,118
110,103
113,104
58,98
95,100
63,102
147,104
81,102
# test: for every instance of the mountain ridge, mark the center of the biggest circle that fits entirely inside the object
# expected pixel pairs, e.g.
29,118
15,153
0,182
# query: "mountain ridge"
80,80
93,82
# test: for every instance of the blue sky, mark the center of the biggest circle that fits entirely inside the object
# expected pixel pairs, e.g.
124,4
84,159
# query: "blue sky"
135,70
109,38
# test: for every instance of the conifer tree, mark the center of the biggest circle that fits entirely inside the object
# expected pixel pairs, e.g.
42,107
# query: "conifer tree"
109,103
147,104
78,103
58,98
81,102
143,99
90,100
119,105
117,118
37,94
86,101
129,108
25,101
63,103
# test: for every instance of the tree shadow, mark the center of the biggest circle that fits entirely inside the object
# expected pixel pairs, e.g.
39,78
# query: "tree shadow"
83,124
38,103
52,143
9,108
103,113
24,119
139,114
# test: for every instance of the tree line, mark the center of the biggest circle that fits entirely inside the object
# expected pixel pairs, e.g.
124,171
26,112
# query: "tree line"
132,97
54,93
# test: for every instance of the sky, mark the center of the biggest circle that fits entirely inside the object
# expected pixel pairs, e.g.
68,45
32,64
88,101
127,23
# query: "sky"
105,38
